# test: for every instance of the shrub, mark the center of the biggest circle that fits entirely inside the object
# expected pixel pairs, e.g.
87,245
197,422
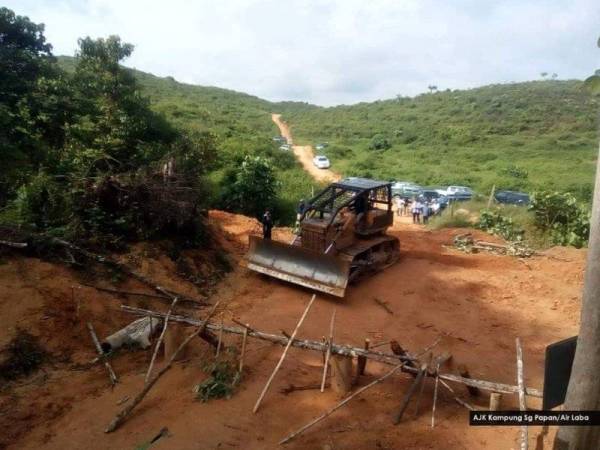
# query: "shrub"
42,203
25,355
496,223
562,216
251,188
223,379
379,142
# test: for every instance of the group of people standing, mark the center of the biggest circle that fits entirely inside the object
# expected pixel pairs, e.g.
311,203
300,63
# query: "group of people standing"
421,211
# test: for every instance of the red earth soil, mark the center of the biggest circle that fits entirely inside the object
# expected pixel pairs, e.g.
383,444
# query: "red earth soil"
477,303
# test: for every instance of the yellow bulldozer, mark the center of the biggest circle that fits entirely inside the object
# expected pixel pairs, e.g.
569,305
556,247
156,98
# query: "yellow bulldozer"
341,237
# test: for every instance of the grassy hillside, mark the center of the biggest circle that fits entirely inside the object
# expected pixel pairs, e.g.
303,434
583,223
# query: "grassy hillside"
240,122
534,135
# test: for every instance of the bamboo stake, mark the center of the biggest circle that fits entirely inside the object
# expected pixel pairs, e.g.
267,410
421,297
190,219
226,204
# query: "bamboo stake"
111,372
435,393
243,351
328,354
220,339
283,355
122,416
522,402
439,360
340,404
339,349
160,339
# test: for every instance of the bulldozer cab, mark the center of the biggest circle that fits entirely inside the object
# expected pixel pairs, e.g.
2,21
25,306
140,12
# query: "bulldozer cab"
366,203
332,221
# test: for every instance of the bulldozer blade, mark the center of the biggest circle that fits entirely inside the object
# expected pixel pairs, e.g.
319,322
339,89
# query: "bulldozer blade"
296,265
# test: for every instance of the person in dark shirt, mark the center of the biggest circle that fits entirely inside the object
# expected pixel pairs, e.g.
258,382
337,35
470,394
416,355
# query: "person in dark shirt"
267,222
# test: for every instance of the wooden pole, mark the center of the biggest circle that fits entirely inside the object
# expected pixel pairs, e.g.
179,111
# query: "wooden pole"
521,383
583,392
243,351
287,347
102,355
409,394
160,339
422,386
328,353
491,198
340,404
122,416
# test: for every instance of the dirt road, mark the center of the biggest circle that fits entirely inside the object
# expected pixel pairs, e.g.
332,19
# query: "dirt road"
477,303
305,154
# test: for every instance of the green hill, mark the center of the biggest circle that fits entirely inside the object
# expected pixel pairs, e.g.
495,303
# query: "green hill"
533,135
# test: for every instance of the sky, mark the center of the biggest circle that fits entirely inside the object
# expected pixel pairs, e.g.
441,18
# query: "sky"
330,52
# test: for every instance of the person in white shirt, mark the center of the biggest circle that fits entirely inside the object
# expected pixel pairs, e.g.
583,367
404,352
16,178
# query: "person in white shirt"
416,211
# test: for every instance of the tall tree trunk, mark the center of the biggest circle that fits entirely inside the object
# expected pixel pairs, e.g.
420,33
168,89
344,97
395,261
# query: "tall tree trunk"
584,387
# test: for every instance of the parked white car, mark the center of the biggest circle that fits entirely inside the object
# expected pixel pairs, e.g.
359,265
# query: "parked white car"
322,162
285,147
457,192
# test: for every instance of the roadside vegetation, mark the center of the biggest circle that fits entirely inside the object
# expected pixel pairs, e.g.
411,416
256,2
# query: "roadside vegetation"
552,218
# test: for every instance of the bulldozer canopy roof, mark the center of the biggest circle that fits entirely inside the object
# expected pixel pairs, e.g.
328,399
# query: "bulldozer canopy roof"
360,184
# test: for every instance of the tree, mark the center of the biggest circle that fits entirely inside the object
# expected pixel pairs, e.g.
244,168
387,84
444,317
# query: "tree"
114,124
30,90
583,392
432,88
252,188
544,74
554,76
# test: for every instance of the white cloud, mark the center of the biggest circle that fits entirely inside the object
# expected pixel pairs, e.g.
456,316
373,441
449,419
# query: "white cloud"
340,51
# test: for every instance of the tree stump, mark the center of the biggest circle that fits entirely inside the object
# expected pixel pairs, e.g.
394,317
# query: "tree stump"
174,337
495,400
341,369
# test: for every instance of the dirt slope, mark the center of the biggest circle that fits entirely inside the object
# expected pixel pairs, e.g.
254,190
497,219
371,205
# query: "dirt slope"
477,303
305,154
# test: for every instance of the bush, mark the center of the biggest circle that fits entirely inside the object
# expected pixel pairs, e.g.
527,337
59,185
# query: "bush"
379,142
496,223
562,216
25,355
251,188
42,203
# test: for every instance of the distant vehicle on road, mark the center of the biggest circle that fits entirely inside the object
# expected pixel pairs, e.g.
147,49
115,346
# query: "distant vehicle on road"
512,197
322,162
321,146
285,147
456,193
280,139
406,189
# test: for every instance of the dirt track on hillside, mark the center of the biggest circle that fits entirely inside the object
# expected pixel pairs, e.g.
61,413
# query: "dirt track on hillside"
477,303
305,154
